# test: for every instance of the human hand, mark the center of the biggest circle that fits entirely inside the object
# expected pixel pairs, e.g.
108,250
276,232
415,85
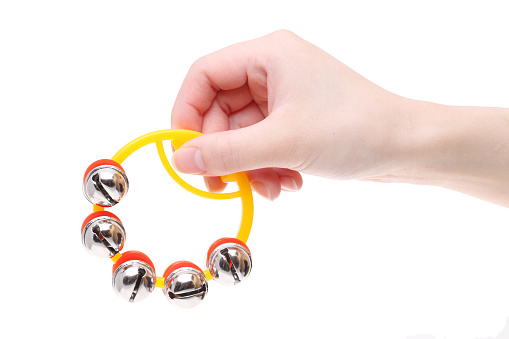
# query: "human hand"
276,106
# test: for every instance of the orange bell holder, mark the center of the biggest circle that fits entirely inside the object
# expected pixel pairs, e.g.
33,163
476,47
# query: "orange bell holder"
178,138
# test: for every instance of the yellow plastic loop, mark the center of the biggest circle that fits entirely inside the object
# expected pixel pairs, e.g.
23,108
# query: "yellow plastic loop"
160,282
179,137
184,184
116,257
208,275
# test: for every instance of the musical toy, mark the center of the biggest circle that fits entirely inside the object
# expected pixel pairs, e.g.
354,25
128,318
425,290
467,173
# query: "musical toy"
184,284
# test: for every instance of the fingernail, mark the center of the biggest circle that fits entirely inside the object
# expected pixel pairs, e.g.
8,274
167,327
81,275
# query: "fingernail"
288,184
188,160
261,189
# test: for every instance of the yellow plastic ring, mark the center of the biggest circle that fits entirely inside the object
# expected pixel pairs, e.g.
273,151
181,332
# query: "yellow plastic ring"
178,138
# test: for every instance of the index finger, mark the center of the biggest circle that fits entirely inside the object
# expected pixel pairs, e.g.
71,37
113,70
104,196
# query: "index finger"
225,69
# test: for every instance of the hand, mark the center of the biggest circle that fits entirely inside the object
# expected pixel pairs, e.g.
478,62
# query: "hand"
277,106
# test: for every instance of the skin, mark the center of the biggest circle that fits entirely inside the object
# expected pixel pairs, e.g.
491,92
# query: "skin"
278,106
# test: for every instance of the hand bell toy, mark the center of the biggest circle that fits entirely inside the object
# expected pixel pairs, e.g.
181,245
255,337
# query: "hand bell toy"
183,283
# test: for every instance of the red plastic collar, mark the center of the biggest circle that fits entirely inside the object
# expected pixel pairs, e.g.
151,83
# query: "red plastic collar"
101,163
99,214
133,255
179,264
224,241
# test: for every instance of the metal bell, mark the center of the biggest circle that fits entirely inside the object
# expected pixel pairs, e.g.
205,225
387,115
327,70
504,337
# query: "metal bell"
105,183
229,261
134,279
103,234
185,284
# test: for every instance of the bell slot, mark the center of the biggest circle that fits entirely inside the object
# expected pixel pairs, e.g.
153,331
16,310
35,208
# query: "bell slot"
97,232
184,295
226,255
141,275
99,186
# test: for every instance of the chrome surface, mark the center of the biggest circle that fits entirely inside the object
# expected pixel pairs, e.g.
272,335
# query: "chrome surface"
134,280
230,263
185,287
105,185
103,236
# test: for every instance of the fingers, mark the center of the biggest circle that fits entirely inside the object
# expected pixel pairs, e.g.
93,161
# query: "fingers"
224,70
267,182
229,111
214,184
224,96
261,145
291,181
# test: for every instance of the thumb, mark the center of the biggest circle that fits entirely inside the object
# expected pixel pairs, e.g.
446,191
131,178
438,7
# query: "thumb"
257,146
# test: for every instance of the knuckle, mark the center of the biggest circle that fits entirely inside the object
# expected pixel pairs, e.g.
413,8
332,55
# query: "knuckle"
223,104
198,64
286,39
284,33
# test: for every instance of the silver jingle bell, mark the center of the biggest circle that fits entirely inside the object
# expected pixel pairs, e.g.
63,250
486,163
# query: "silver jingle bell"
103,236
185,287
230,263
134,280
105,185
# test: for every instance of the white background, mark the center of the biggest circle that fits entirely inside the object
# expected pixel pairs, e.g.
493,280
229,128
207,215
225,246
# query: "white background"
78,80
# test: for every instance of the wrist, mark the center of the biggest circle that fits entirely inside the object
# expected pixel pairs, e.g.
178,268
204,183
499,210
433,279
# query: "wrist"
418,143
461,148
